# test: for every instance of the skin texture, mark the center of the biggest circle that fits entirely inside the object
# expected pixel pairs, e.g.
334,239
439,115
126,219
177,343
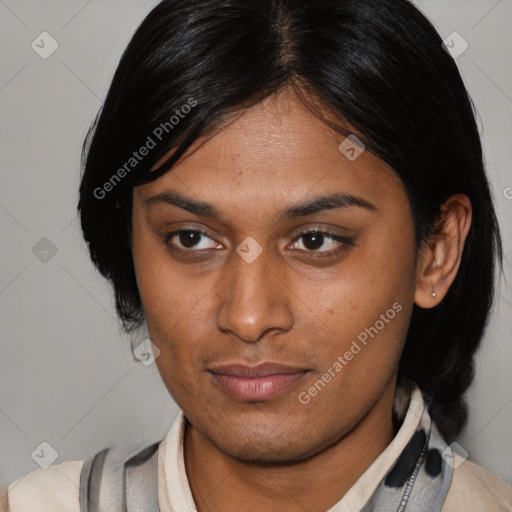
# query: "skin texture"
285,306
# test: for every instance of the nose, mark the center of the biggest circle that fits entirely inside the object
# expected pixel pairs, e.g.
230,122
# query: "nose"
254,298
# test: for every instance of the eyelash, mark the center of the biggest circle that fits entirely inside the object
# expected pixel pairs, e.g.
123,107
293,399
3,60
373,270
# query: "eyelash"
345,241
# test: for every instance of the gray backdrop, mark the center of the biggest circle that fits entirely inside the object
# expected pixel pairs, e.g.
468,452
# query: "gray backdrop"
67,376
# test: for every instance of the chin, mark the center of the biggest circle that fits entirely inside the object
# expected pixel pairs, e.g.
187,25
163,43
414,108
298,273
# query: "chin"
267,445
265,453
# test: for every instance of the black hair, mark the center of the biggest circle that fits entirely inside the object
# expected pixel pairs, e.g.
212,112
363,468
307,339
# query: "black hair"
378,65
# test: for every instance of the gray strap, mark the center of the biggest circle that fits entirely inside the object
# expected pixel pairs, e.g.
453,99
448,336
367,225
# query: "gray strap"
108,484
141,481
90,482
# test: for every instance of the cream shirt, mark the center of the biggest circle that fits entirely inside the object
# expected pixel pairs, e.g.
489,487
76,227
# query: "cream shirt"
56,489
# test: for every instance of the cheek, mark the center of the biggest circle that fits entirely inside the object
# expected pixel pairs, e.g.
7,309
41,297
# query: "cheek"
368,305
386,266
158,283
158,277
178,309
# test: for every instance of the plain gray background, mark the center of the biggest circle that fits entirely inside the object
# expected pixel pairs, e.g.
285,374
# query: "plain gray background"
67,376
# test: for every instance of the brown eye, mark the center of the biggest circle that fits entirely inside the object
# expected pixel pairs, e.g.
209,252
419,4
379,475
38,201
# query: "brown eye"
313,240
187,240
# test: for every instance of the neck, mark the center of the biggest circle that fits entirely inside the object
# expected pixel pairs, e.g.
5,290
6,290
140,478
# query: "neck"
220,483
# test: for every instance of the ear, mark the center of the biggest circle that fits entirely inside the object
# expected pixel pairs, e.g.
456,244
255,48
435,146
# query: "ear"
440,256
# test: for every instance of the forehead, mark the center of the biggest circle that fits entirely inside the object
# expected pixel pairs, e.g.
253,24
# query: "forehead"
277,151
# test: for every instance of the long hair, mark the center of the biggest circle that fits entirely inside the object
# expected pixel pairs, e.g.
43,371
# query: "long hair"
377,64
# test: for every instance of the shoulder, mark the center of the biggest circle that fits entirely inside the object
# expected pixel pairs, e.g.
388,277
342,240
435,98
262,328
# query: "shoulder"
474,488
57,488
54,489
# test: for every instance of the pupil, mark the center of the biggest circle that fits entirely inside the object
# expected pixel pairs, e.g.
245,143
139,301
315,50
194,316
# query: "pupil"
316,238
189,238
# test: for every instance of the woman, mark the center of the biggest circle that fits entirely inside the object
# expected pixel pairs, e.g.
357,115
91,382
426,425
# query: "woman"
290,196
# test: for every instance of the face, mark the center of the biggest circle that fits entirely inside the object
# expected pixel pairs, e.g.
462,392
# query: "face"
325,290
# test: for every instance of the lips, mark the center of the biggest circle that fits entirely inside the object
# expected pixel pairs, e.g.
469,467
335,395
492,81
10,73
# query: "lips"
252,383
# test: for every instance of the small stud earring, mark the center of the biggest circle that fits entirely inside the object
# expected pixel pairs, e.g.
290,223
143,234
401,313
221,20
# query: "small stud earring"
434,294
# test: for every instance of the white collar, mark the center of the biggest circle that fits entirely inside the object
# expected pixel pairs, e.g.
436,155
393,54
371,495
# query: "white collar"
174,492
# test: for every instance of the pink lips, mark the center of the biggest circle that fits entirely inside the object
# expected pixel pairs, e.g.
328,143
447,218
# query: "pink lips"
256,382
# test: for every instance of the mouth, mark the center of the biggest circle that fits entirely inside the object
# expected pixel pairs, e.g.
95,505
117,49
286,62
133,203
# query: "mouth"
254,383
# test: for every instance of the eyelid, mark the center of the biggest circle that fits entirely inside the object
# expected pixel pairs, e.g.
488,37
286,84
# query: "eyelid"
319,229
344,241
167,237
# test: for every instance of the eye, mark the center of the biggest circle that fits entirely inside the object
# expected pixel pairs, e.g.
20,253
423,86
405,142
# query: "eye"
196,240
314,239
187,240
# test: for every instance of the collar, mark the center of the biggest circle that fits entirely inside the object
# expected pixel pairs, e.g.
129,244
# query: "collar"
409,472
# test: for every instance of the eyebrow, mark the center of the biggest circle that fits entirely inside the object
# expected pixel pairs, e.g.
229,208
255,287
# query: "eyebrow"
315,205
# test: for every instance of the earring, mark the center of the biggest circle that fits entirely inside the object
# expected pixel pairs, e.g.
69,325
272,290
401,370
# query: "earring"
434,294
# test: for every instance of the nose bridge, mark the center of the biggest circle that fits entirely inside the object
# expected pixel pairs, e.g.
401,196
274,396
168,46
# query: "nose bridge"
253,298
